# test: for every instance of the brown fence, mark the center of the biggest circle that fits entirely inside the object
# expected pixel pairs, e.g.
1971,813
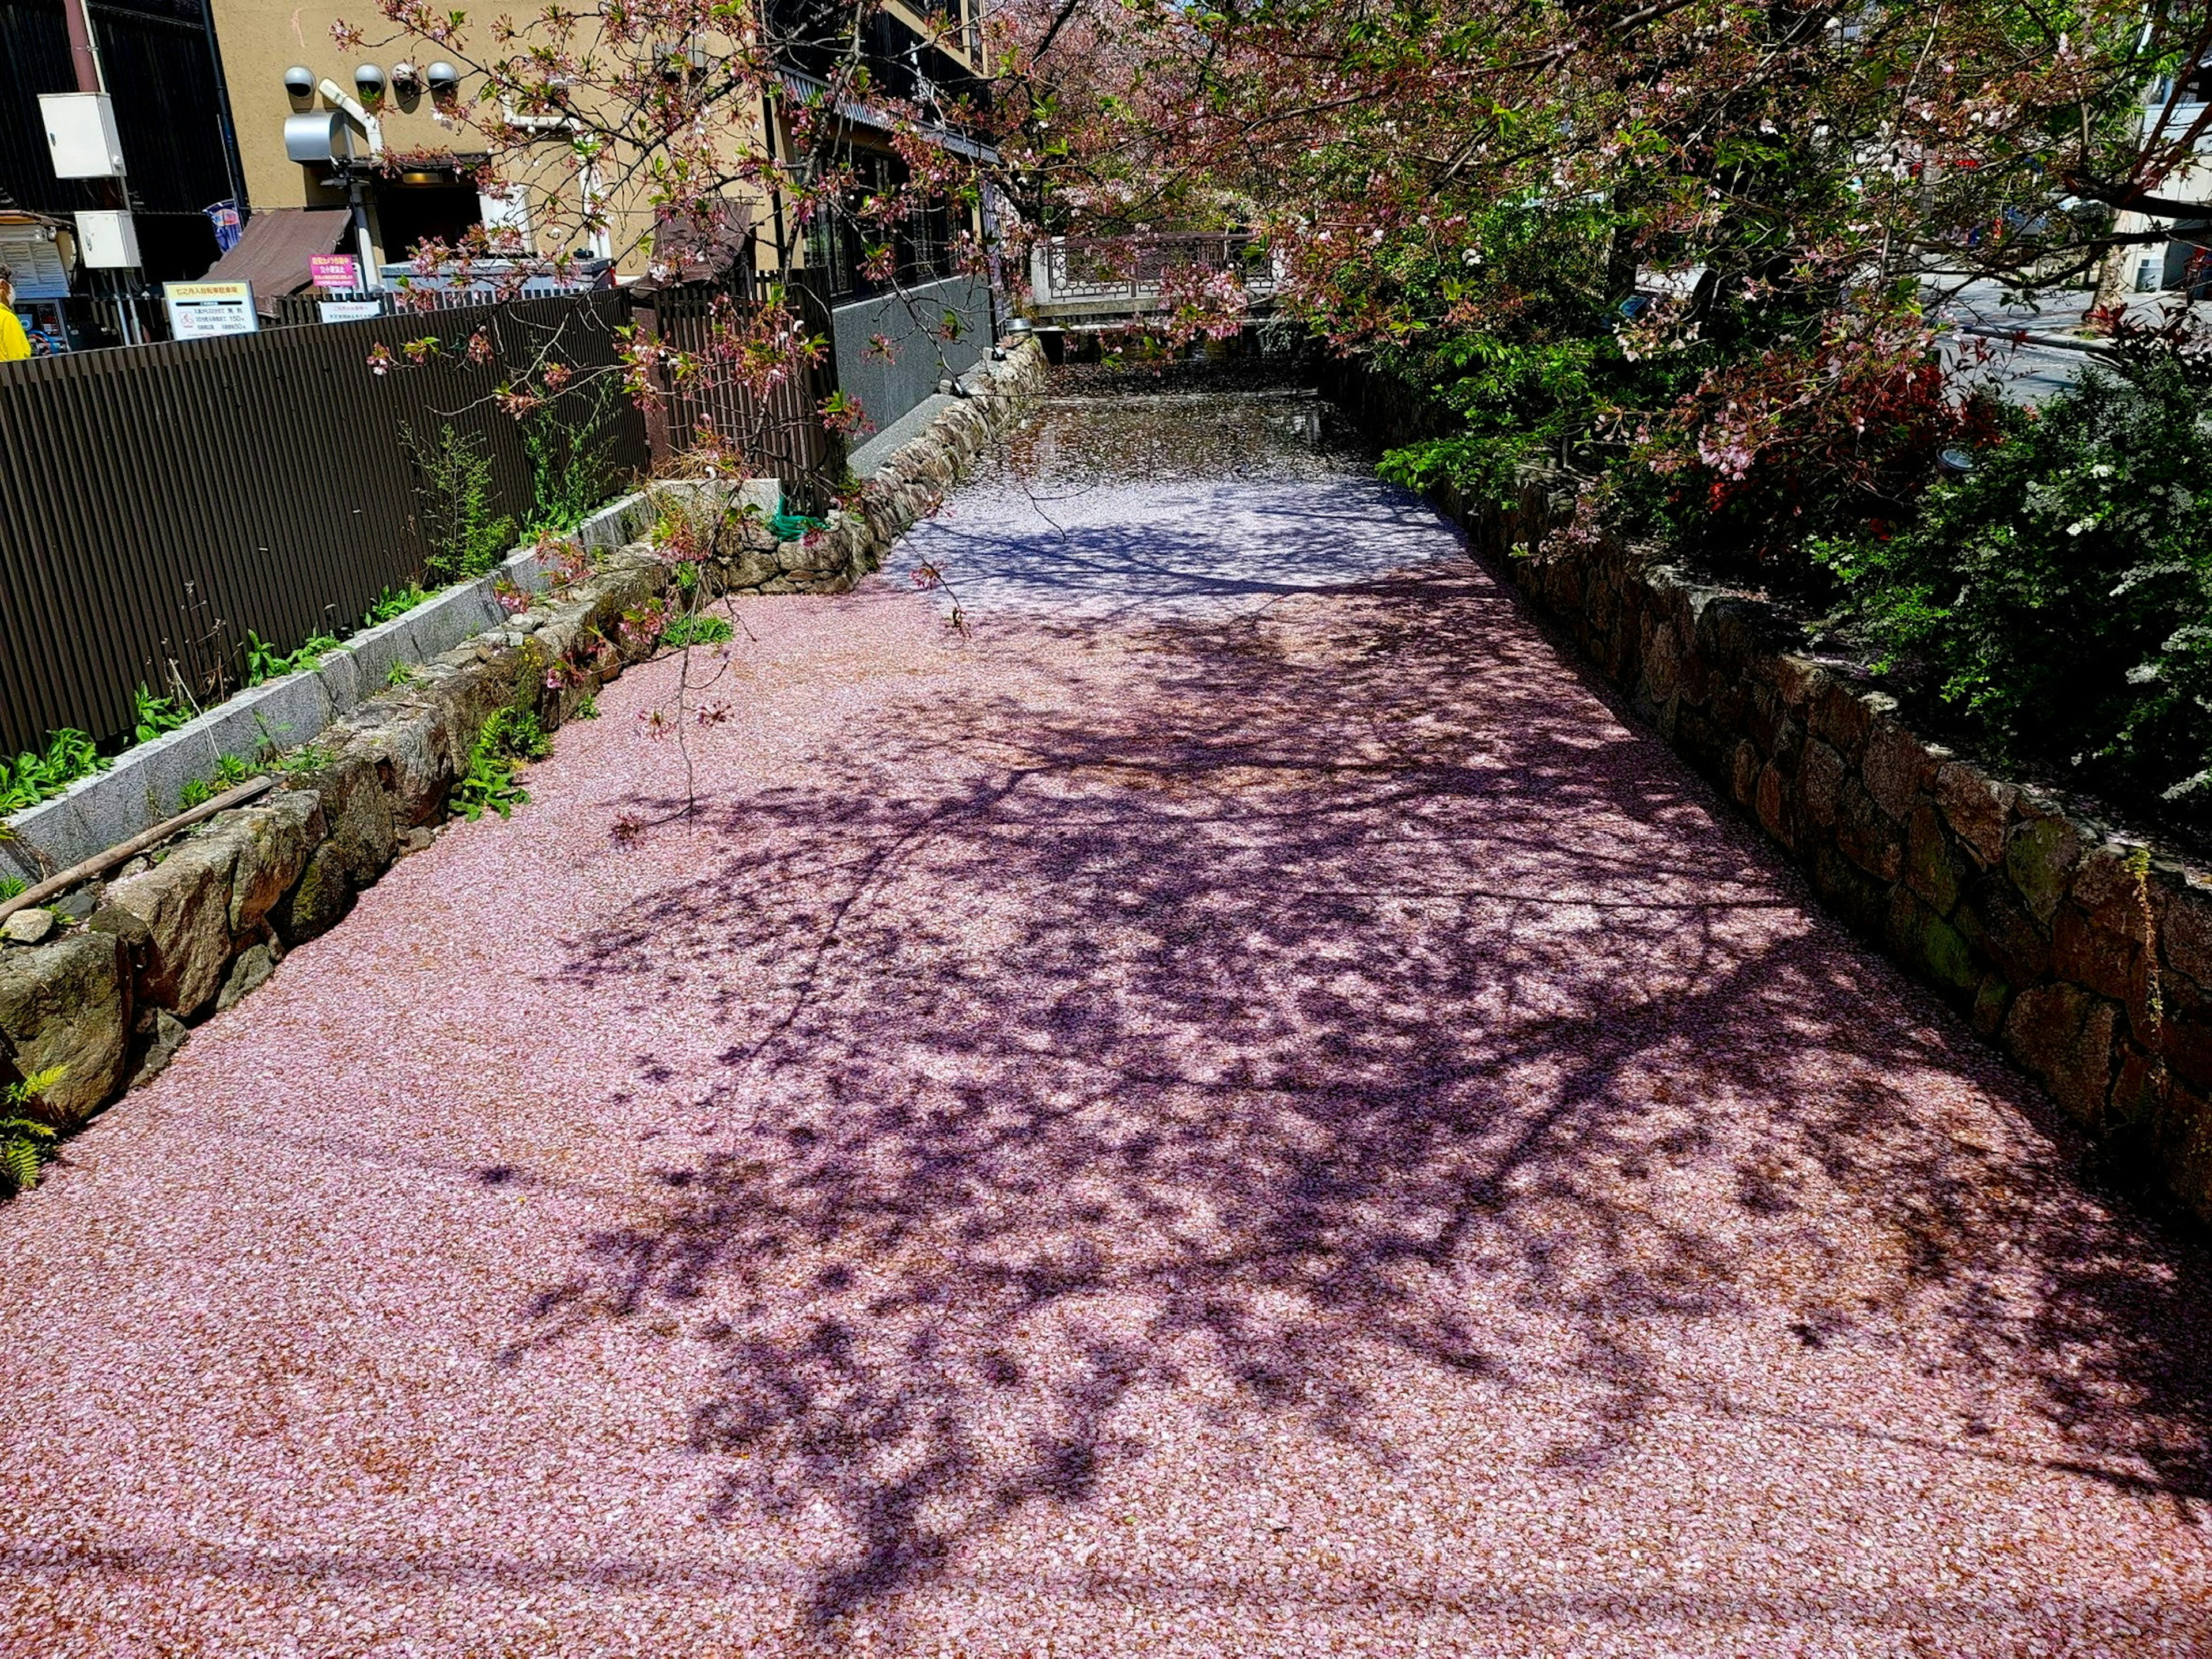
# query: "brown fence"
158,503
780,430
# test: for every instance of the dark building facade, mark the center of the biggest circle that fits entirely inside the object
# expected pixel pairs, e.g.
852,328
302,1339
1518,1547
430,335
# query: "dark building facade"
162,75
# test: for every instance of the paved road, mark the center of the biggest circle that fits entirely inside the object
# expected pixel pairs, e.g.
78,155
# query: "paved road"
2031,353
1261,1120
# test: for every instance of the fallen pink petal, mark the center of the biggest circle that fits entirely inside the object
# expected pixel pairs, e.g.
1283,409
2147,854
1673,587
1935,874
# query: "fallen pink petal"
1237,1105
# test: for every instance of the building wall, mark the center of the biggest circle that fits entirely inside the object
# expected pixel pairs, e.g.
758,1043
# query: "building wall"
919,356
261,39
162,79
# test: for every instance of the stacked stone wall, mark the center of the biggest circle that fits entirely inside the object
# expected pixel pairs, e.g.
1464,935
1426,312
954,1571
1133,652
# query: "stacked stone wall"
2083,951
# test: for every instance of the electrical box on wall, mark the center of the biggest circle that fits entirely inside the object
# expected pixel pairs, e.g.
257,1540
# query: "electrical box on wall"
106,239
81,133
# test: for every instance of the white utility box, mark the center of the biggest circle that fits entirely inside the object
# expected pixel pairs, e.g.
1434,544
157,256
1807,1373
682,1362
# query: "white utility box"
80,133
106,239
506,207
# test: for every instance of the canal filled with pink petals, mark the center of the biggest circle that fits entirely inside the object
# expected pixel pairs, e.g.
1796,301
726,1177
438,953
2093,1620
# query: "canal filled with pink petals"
1233,1104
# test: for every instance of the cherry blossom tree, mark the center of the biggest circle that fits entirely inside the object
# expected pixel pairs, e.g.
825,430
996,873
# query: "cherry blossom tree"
1706,233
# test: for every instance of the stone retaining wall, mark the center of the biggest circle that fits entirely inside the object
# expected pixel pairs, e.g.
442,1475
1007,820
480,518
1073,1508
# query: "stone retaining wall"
112,990
2079,949
145,785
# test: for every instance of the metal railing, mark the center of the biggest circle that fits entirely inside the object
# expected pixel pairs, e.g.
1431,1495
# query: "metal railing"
1080,270
297,310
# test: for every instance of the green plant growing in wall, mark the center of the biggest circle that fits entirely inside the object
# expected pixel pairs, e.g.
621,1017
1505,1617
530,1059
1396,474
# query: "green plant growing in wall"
463,537
393,602
31,777
698,628
488,785
308,757
265,662
155,715
521,735
26,1144
197,793
569,440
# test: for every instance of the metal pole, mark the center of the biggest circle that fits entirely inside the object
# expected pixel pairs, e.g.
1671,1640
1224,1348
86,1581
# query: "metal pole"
233,169
83,57
84,60
371,279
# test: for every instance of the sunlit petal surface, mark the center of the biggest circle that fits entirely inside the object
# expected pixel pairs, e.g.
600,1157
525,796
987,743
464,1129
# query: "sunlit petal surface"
1233,1106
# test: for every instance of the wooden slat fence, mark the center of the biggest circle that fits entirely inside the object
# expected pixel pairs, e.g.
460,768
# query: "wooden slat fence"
158,503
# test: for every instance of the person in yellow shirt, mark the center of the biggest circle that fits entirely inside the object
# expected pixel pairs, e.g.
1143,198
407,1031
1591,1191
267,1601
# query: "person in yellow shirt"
14,342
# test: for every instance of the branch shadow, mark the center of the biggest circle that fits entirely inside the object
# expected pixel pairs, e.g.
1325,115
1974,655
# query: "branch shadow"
1241,1012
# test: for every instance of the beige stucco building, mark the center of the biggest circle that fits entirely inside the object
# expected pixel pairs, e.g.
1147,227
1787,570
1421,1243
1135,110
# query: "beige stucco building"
366,150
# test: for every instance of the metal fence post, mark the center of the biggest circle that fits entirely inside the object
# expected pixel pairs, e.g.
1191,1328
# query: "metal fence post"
645,315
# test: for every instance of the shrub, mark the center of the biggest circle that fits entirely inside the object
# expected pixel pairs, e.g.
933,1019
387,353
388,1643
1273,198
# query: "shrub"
1519,403
462,536
2058,600
569,440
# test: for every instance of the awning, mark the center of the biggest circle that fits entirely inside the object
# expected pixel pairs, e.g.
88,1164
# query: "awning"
700,245
274,252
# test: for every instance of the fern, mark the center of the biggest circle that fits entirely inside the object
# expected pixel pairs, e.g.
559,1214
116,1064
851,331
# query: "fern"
488,785
517,732
23,1143
26,1144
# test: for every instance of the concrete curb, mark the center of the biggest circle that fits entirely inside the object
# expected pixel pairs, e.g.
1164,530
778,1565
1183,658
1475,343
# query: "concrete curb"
187,928
144,784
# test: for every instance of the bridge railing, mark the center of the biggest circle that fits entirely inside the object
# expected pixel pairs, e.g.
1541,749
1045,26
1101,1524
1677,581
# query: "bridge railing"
1092,270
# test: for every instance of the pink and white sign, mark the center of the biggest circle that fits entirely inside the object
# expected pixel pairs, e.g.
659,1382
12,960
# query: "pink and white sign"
341,271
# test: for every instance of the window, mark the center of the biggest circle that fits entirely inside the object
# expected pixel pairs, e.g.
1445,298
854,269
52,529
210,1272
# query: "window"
838,243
